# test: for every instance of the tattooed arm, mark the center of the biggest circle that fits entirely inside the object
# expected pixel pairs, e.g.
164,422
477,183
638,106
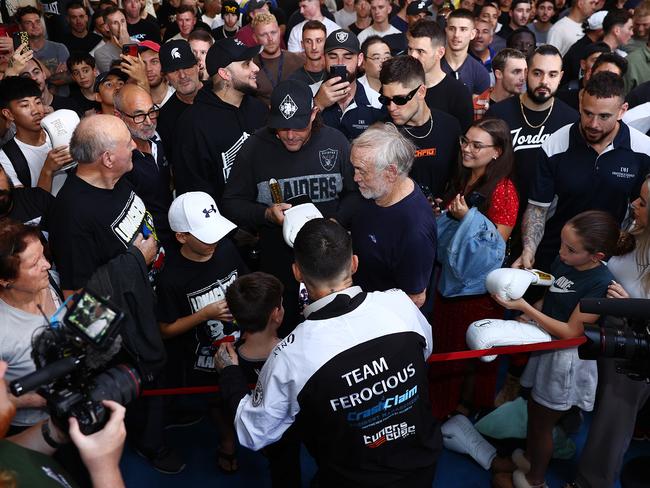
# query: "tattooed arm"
532,230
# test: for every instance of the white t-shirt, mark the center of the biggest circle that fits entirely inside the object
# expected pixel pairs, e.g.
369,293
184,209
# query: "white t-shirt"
35,156
564,33
295,37
345,18
370,31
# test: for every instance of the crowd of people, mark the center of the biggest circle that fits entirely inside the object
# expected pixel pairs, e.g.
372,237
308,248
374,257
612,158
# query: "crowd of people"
307,197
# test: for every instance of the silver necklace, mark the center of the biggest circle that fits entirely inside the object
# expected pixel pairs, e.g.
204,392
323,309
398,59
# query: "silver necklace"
425,135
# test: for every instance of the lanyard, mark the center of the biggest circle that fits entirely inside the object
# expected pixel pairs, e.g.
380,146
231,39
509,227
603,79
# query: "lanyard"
266,71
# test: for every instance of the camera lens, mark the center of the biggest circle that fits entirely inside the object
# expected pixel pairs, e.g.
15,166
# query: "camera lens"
120,384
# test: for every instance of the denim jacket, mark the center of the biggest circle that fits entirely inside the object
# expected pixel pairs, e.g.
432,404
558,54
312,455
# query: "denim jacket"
467,250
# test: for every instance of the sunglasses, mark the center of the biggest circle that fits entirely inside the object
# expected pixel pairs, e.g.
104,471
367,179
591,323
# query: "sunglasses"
398,99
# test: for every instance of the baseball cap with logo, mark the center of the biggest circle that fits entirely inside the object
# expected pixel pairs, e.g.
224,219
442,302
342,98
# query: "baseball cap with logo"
196,212
342,39
418,7
255,4
230,7
227,51
291,105
176,54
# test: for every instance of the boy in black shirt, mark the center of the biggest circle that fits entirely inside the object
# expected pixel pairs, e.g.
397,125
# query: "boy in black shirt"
192,311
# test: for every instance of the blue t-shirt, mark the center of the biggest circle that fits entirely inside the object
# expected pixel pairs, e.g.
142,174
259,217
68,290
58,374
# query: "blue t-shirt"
471,73
396,245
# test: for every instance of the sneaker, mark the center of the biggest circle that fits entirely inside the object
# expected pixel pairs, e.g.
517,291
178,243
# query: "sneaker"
166,460
184,418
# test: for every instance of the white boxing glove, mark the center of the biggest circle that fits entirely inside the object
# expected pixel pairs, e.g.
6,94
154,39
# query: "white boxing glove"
459,435
512,283
488,333
60,125
295,218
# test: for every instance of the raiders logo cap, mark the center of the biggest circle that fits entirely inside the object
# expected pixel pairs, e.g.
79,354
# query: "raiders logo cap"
176,54
227,51
418,7
196,212
291,104
342,39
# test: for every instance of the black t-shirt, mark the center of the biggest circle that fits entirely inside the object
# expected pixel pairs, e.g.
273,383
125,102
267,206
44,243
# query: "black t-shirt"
30,206
166,126
396,245
89,226
81,44
526,140
571,60
82,102
436,154
144,30
150,179
354,29
451,96
251,367
166,15
59,102
309,77
640,95
184,287
220,33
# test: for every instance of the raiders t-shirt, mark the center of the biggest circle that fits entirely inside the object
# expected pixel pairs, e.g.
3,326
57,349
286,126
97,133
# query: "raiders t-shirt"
436,154
526,140
89,226
184,287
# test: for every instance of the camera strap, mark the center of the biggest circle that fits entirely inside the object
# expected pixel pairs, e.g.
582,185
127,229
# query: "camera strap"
56,287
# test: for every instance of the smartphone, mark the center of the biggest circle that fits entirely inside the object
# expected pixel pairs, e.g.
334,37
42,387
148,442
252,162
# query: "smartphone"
19,38
130,50
339,70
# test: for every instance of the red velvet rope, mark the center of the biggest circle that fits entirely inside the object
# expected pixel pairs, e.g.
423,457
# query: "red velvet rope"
434,358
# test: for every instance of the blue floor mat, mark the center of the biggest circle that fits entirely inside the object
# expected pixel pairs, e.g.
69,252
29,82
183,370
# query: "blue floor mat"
198,444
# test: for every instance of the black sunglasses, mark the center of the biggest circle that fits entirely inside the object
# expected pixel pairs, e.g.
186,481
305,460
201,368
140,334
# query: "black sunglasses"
398,99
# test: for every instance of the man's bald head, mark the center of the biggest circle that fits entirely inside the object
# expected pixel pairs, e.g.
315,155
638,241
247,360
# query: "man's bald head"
94,136
134,105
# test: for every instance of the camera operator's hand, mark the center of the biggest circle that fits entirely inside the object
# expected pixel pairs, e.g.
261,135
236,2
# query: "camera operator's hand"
226,356
615,290
275,213
101,451
217,311
148,247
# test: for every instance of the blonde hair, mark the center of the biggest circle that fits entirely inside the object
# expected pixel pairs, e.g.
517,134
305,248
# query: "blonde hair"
642,247
263,18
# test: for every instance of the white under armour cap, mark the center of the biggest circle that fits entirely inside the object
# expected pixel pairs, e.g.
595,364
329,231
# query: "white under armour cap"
196,212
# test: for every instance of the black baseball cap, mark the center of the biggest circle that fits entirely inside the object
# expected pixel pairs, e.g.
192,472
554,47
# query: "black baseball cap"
230,7
342,39
176,54
101,78
227,51
417,7
291,105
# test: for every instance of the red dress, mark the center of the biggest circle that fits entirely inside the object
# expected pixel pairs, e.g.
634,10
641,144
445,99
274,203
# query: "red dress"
452,316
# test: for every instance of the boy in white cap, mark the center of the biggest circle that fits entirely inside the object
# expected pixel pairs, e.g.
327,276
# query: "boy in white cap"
191,310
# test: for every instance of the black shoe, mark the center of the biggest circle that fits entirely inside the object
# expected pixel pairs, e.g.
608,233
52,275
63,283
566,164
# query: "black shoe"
166,460
184,419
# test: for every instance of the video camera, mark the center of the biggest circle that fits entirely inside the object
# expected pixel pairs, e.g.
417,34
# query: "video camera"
70,356
630,342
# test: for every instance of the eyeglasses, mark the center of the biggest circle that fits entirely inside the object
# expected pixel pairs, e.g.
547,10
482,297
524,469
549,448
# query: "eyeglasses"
378,58
140,118
398,99
474,146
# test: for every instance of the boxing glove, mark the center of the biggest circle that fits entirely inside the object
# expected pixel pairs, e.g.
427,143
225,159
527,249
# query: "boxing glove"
295,217
489,333
459,435
512,283
60,125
